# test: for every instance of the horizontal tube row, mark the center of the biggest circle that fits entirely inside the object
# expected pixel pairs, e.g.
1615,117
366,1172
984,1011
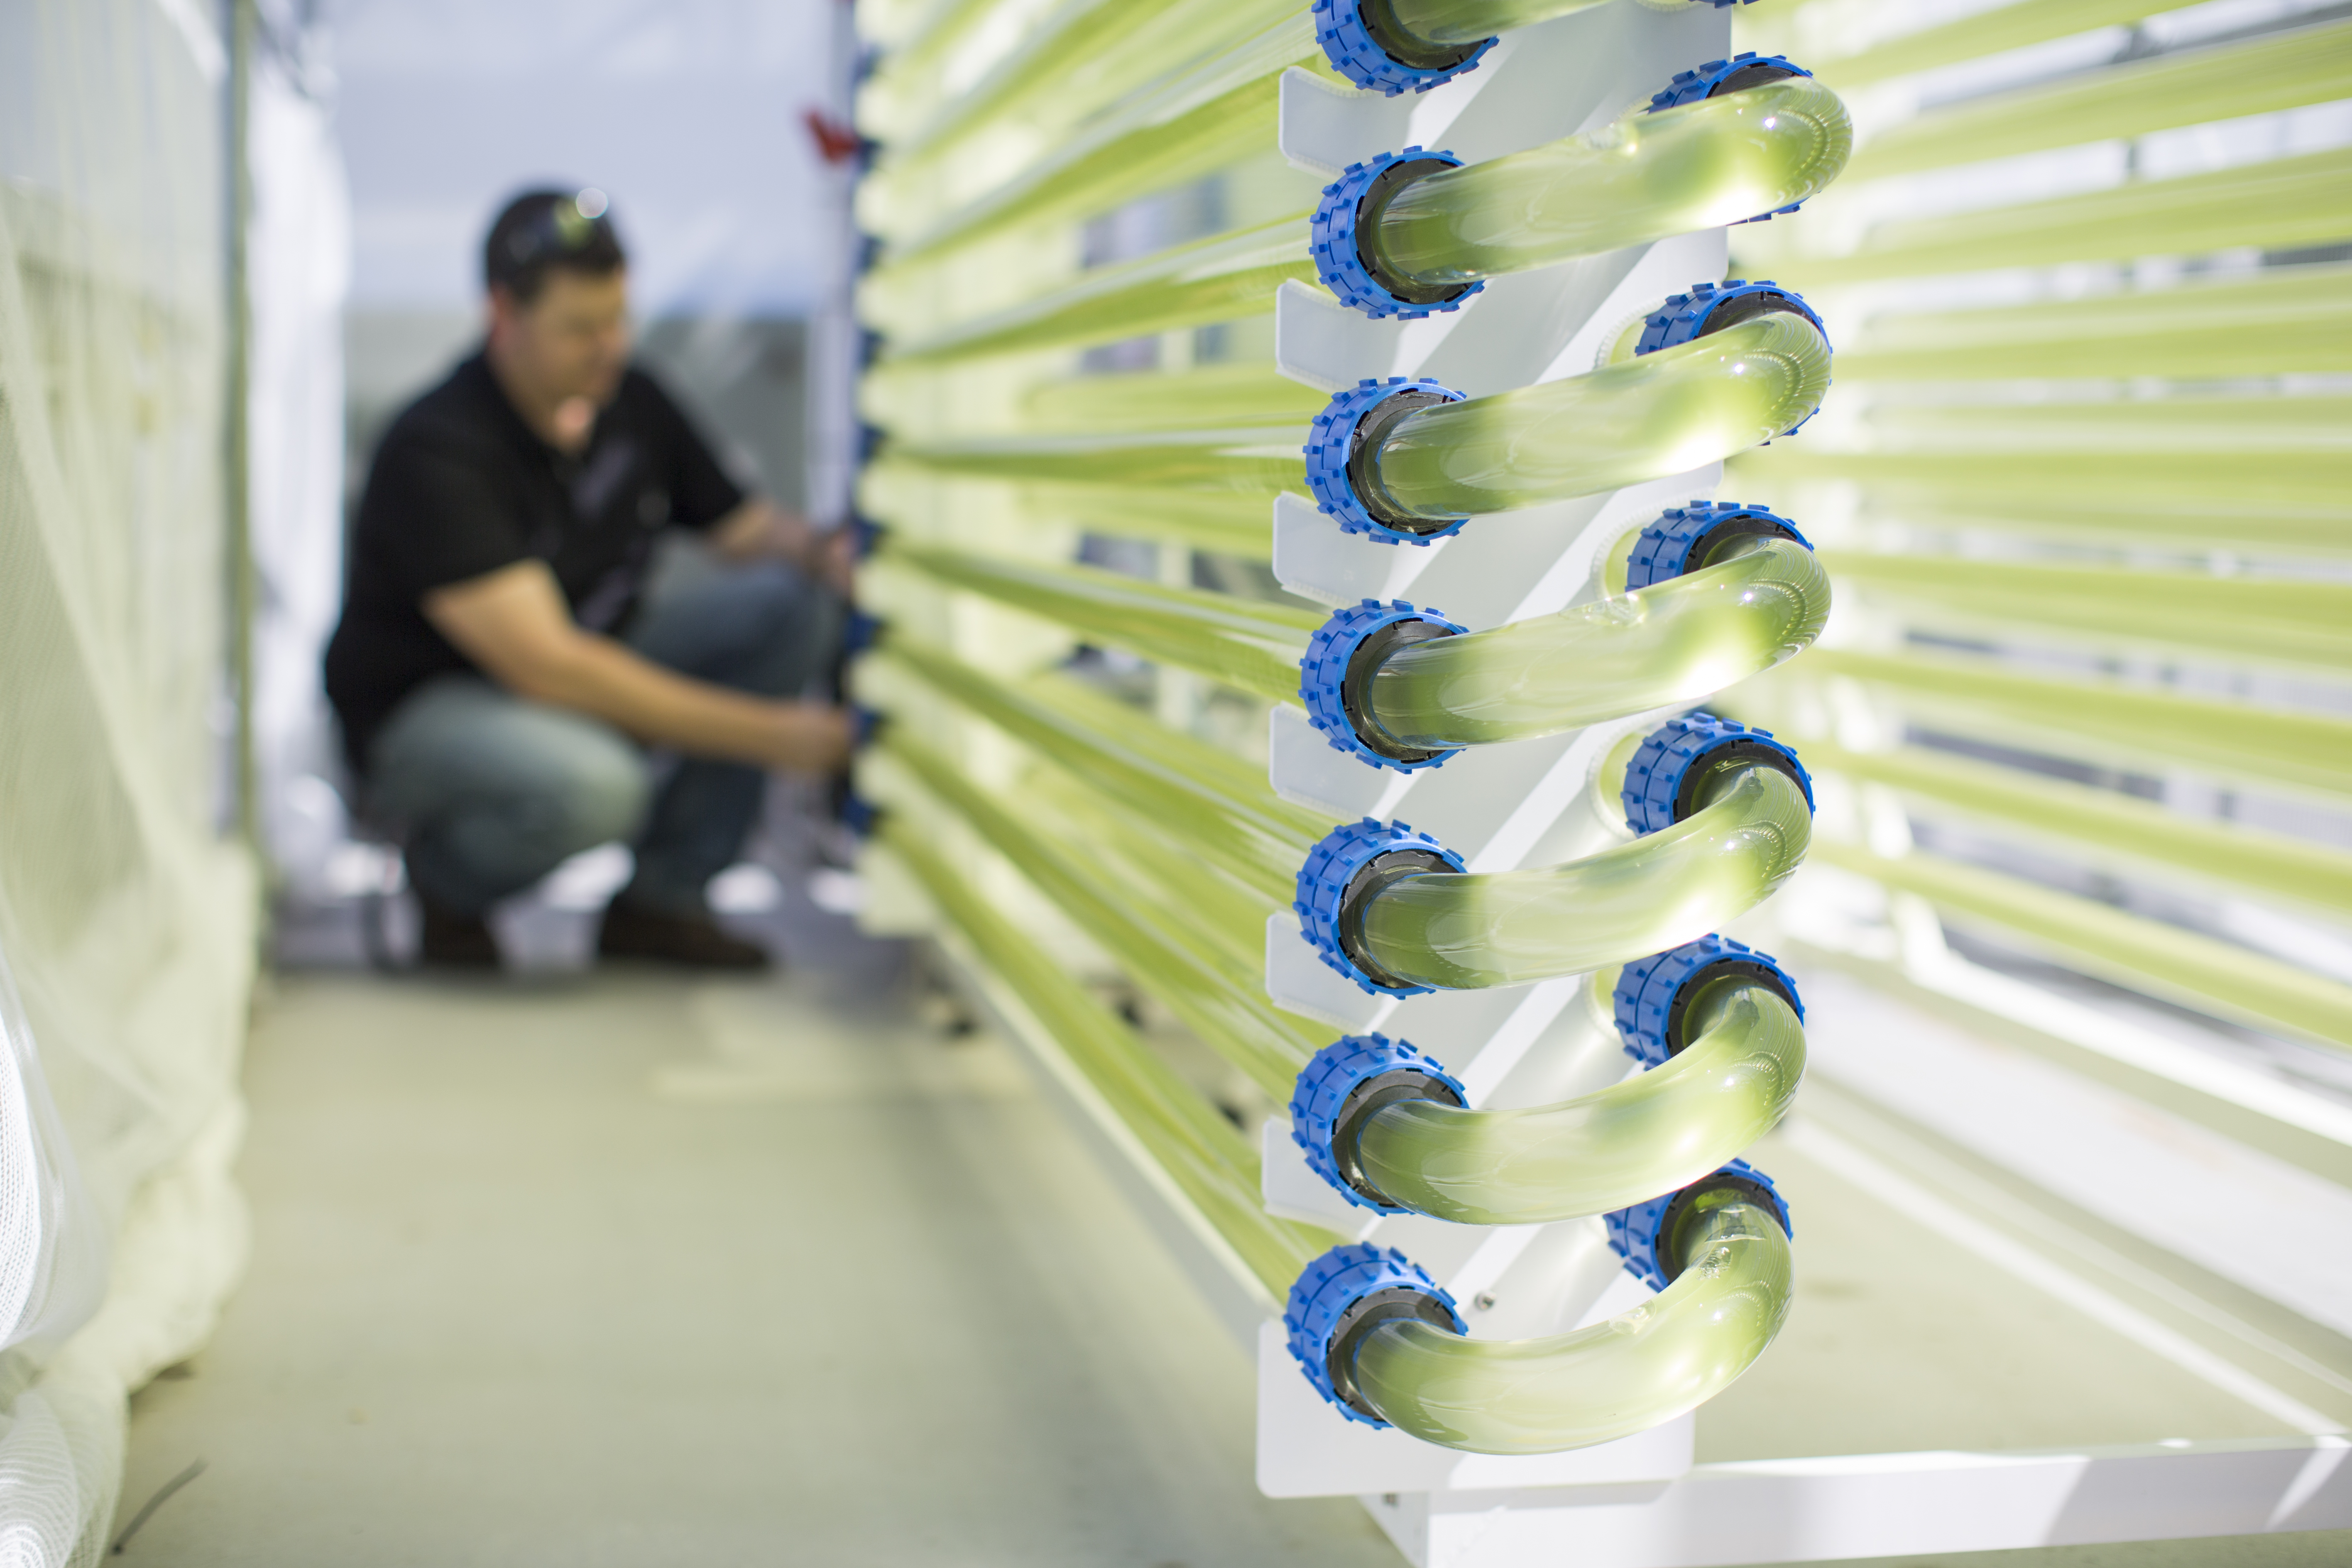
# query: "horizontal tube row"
2211,977
1204,1156
2302,753
2264,620
1991,32
2308,65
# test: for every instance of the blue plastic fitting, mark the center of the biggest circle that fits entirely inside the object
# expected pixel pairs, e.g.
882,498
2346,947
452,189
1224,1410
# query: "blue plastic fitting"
1689,86
859,814
1329,1081
861,631
1323,678
1348,43
1337,237
1331,866
1651,991
1343,1294
1684,316
1634,1232
1332,441
1655,795
1666,546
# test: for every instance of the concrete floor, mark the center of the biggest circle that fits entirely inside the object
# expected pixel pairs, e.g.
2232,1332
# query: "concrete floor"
638,1270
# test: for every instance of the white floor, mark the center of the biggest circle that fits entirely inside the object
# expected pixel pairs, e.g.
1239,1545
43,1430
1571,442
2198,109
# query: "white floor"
636,1271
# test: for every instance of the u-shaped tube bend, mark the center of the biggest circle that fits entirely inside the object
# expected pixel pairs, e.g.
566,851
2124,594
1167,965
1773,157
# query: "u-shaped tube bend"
1650,1133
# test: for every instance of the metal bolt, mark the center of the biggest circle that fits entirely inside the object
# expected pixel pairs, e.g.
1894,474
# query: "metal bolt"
1484,1300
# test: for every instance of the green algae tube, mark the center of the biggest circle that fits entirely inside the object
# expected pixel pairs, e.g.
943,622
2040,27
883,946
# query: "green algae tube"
1464,930
1611,1380
1652,1133
1642,178
1676,641
1204,1156
1248,644
1660,413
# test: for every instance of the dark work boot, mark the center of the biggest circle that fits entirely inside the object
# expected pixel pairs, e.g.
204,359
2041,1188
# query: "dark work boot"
452,941
633,930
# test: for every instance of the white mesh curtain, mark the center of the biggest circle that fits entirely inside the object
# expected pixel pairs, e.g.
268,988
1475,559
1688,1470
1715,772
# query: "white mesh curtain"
126,922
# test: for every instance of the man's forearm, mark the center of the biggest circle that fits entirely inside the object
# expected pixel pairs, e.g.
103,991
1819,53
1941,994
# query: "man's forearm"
601,677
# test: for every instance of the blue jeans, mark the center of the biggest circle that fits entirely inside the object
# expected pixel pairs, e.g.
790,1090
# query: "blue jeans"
491,792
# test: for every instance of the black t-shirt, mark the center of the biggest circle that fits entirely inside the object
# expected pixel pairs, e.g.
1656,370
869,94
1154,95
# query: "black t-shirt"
462,487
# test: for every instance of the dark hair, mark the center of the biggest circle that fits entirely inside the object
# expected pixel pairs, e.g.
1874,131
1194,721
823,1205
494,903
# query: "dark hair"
543,230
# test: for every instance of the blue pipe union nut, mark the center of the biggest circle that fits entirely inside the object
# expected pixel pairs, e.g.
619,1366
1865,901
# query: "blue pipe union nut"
1653,993
1634,1232
1669,773
1366,44
1346,1294
1342,874
1350,212
1335,680
1712,307
1690,538
1343,449
1717,78
1340,1087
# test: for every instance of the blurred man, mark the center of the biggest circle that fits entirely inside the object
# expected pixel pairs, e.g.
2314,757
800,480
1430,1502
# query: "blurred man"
497,677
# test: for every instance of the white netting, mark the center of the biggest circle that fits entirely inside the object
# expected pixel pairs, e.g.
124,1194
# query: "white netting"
127,923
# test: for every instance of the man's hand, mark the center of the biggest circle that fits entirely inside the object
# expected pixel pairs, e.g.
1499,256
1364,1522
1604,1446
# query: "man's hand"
761,530
515,625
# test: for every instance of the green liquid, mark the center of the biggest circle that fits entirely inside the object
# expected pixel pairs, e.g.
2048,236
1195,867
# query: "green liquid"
1215,802
2098,819
1462,931
2211,977
1644,177
1193,975
2258,77
1678,641
2261,620
1247,644
1652,1133
1611,1380
1204,1156
1209,397
2268,747
1218,279
1257,464
1662,414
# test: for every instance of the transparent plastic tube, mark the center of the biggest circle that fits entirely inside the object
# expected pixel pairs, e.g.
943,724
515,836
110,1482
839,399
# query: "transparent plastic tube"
1207,397
2221,851
2268,748
1193,978
1259,464
1642,178
1664,412
1611,1380
2262,619
1678,641
1218,279
2209,976
1655,1133
1249,645
1465,930
1216,801
1202,1154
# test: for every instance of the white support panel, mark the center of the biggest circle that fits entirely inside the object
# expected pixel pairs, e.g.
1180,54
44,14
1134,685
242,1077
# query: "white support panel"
1518,330
1887,1505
